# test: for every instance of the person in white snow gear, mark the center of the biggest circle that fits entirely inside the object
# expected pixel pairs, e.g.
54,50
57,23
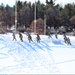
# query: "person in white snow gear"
56,35
49,35
14,37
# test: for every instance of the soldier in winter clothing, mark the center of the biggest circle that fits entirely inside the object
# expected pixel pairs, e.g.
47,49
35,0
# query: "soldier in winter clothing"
29,38
68,41
49,34
38,38
20,36
14,37
56,35
65,38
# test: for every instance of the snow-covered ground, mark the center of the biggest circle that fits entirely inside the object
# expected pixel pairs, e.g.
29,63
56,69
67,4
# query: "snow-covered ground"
50,56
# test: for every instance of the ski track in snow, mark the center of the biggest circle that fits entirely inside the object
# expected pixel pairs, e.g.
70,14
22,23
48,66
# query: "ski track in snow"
29,55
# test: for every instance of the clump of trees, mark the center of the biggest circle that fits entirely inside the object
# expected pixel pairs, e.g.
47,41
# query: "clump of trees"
56,15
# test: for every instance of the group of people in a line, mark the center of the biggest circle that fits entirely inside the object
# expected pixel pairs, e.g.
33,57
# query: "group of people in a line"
29,37
66,39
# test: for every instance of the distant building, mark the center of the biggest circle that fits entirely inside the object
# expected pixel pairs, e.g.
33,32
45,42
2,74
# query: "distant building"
61,30
39,26
72,19
3,27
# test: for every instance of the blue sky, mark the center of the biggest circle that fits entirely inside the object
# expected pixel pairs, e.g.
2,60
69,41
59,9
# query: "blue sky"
12,2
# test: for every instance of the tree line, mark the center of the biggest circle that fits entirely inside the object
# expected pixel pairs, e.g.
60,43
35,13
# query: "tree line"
56,15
